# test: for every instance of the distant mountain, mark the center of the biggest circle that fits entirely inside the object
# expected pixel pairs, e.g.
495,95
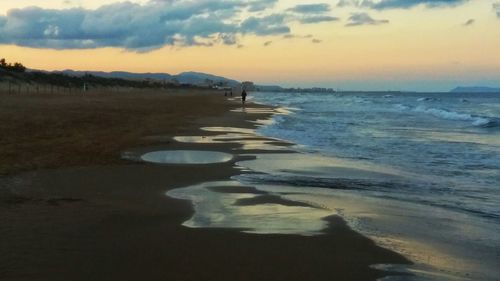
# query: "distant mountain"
475,90
118,74
197,78
193,78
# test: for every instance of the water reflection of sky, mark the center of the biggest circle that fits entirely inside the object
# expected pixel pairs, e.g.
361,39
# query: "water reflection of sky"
445,242
186,157
220,209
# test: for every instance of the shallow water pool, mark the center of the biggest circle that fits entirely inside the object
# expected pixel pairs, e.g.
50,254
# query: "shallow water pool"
186,157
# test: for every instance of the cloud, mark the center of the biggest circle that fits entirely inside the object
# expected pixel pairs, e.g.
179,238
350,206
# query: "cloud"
294,36
260,5
316,19
140,27
353,3
227,39
267,25
469,22
496,8
406,4
316,41
267,43
311,8
311,13
357,19
344,3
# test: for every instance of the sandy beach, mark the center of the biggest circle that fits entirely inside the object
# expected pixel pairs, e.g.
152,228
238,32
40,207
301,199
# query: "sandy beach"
72,207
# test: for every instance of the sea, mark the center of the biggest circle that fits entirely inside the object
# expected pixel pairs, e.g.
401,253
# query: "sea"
419,173
433,169
447,145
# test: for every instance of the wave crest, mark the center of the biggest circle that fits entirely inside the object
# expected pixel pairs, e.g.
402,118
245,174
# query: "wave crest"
478,121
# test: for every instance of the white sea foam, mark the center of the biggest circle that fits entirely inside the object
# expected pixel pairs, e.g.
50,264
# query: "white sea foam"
402,107
447,168
446,114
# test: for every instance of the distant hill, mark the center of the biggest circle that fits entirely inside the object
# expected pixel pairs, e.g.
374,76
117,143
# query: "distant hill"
118,74
475,90
40,80
192,78
197,78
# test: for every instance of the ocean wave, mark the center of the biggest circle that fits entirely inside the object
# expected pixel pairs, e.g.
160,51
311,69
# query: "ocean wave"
478,121
402,107
321,182
395,190
495,123
427,99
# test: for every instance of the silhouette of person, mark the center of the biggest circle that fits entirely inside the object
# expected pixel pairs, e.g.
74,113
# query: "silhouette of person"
231,93
225,93
243,97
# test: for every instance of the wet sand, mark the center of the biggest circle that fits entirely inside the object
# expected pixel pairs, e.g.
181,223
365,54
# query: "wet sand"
72,209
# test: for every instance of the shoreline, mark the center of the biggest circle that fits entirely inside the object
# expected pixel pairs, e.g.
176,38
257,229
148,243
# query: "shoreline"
114,222
460,246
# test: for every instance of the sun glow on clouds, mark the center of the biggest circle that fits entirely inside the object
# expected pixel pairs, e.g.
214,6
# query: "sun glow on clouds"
311,42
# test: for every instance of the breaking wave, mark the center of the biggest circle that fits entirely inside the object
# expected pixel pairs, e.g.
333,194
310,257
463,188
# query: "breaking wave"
478,121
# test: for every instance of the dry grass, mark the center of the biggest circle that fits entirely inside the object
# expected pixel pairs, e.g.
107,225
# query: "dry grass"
55,130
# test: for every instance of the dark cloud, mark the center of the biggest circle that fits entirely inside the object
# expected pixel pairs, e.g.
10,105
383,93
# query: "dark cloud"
227,39
293,36
316,19
406,4
139,27
496,8
353,3
311,8
260,5
357,19
316,41
344,3
267,25
311,13
469,22
267,43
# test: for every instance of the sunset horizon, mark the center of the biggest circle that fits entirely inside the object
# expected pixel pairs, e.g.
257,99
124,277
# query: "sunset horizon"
250,140
353,45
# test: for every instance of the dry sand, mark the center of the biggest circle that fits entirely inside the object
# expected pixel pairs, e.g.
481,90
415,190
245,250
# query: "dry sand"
72,209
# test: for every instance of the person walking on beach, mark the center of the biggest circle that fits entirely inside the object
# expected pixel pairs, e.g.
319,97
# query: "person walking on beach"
243,97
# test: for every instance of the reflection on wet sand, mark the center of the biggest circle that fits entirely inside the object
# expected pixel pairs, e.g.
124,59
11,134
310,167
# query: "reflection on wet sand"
215,209
229,130
260,202
247,141
186,157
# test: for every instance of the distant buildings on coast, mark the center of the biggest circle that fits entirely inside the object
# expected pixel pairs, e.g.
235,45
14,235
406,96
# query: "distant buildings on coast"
262,88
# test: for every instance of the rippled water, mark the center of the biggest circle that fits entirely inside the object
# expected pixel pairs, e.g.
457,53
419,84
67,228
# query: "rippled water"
418,173
447,146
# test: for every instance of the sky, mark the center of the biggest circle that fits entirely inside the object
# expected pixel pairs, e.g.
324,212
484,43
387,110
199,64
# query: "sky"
416,45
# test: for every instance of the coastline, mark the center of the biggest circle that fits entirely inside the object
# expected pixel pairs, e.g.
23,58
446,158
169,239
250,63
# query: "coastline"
460,246
112,221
